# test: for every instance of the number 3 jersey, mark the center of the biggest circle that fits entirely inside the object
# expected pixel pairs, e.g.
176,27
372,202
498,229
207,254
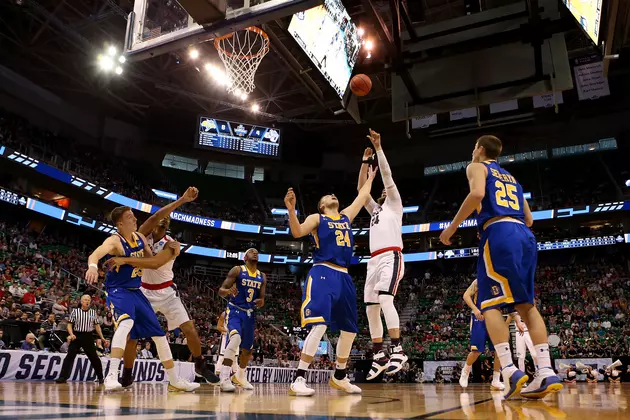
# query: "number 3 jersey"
248,285
334,241
504,196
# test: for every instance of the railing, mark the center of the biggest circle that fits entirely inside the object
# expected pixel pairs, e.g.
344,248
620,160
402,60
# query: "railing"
202,270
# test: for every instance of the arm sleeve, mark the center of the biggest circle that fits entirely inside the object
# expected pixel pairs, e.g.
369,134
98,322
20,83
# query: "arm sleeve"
393,196
371,205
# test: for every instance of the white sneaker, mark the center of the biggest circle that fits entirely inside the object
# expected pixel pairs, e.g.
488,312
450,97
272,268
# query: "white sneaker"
498,385
463,378
545,382
112,384
300,389
227,385
344,385
183,385
242,381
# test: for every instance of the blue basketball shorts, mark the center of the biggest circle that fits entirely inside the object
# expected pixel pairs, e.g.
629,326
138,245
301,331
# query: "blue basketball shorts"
479,336
242,323
132,304
330,297
507,265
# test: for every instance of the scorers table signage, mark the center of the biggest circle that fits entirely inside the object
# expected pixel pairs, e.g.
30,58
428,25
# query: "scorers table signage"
278,375
238,137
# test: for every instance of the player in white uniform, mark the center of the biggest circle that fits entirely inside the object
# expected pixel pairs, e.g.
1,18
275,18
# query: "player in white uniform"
222,327
386,266
523,340
158,287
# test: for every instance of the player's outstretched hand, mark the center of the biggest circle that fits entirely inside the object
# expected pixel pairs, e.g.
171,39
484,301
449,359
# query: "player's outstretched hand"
372,172
191,194
368,153
289,199
113,263
375,138
175,246
260,302
91,275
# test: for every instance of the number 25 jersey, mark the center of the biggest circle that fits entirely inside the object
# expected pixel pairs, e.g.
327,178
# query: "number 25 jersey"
334,241
504,196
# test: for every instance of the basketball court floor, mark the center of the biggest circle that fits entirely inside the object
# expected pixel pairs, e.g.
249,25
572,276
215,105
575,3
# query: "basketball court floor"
46,400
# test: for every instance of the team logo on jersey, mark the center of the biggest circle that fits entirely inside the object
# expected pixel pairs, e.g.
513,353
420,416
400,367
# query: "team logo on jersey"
307,312
495,291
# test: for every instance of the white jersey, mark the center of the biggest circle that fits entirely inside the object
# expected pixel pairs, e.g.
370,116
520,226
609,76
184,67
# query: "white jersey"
164,273
386,227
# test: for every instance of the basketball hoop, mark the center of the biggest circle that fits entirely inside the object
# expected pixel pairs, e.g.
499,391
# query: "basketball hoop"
241,53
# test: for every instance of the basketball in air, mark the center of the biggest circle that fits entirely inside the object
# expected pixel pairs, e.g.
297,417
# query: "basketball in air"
361,84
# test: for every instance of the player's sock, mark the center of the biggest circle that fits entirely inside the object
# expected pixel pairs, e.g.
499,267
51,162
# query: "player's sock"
377,347
114,367
200,363
302,368
340,370
172,375
496,376
505,356
467,368
395,342
226,372
542,356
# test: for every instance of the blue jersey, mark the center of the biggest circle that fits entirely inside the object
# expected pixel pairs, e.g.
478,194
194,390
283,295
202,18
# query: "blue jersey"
333,241
127,276
248,285
504,196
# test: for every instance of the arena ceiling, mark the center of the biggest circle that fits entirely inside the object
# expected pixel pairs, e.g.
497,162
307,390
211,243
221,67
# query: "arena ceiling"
54,43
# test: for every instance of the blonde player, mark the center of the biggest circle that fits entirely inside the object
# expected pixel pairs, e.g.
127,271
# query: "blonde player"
523,340
386,266
158,287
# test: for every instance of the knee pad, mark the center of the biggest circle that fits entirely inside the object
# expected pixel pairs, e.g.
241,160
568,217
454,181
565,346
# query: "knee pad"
374,320
344,344
231,350
312,339
163,349
119,340
389,311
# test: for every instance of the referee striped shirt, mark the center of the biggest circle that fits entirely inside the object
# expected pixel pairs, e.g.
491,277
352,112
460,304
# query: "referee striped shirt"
83,321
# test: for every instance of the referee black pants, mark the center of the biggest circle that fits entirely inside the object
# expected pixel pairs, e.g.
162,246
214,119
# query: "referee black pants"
85,340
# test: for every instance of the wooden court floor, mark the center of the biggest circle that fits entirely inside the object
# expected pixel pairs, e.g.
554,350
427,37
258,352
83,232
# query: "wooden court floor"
47,400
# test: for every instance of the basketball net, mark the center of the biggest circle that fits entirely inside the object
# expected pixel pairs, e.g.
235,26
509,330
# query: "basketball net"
241,53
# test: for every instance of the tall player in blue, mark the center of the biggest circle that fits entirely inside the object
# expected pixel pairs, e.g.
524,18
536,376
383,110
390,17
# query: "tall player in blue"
245,286
329,296
507,264
133,315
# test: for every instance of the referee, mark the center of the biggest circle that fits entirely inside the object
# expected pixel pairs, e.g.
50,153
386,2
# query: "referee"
83,321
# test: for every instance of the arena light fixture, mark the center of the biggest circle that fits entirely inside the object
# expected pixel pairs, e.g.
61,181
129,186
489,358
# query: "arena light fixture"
361,31
627,182
118,70
255,107
369,44
110,61
111,51
194,53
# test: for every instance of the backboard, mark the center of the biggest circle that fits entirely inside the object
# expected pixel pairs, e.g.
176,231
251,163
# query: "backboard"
159,26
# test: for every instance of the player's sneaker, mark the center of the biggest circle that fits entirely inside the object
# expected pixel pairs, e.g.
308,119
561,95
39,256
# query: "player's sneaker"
498,386
380,362
112,384
463,378
227,385
207,375
515,379
545,382
344,385
299,388
127,378
241,380
182,385
396,360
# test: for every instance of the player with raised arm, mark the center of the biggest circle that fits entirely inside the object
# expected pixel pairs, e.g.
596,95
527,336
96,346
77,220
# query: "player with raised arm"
478,339
245,286
158,287
507,264
386,266
329,296
133,315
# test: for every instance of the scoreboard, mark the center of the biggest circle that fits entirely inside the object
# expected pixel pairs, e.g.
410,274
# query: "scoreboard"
235,137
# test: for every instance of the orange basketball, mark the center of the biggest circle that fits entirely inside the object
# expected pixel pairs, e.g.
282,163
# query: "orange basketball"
361,84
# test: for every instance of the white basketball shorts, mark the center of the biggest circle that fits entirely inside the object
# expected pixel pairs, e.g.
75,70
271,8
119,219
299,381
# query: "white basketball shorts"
384,272
168,302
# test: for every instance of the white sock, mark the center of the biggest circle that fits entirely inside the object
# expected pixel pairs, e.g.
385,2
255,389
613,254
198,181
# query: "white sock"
172,374
505,356
114,366
521,364
340,365
467,368
240,372
543,358
303,365
226,371
496,376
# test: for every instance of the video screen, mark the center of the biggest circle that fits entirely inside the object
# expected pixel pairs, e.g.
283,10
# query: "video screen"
330,39
588,13
322,348
238,137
